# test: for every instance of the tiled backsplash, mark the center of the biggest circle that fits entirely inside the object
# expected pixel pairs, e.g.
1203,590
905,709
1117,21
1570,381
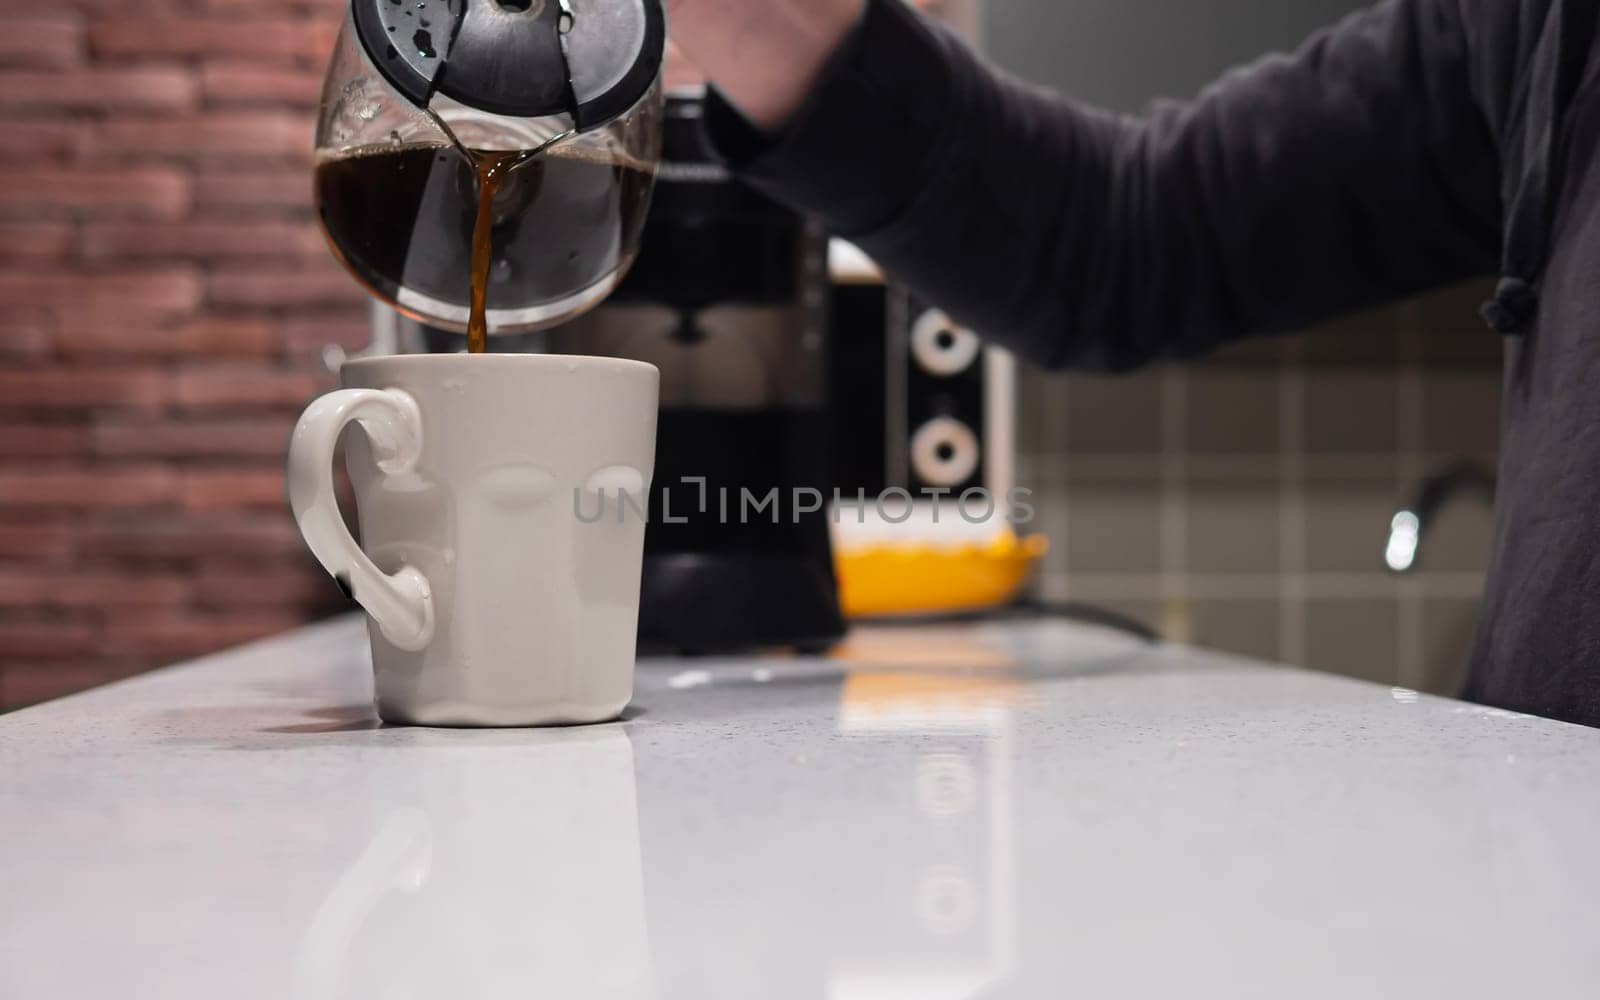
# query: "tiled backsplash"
1243,502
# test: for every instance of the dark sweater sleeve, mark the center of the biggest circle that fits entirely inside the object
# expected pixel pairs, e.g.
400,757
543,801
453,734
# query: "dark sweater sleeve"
1357,170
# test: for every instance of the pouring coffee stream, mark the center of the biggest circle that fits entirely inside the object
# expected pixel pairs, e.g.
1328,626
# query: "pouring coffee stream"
489,169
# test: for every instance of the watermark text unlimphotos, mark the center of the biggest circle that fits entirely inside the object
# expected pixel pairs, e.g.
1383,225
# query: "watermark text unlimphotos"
743,505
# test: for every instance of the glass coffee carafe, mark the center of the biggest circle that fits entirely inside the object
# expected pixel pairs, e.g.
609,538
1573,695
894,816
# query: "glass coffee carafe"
547,109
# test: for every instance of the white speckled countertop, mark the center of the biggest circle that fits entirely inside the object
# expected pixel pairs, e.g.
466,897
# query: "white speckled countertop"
1027,810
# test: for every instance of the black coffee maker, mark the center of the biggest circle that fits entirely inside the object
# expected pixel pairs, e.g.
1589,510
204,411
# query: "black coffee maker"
727,294
728,297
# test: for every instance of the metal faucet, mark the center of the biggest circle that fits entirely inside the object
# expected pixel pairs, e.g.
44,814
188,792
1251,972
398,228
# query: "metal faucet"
1410,522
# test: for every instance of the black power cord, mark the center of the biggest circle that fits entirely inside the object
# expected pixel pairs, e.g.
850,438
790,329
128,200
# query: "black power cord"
1032,609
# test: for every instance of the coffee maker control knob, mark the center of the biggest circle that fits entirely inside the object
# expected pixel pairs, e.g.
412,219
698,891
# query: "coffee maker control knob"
941,347
944,452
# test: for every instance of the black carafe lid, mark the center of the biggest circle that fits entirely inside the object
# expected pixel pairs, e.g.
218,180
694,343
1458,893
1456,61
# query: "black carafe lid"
522,58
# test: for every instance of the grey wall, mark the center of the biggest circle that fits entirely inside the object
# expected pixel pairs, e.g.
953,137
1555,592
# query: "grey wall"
1123,53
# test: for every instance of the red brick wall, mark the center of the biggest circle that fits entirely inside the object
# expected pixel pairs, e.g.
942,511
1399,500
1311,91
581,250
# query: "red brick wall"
164,293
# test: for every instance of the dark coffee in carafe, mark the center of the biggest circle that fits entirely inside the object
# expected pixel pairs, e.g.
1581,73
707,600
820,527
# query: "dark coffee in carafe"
402,218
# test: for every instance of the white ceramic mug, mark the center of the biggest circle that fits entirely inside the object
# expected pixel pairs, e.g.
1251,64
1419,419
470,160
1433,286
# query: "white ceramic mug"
501,502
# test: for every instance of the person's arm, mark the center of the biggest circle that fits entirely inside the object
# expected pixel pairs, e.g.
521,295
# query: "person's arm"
1357,170
763,54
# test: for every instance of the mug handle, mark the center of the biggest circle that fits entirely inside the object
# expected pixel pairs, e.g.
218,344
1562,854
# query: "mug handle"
402,602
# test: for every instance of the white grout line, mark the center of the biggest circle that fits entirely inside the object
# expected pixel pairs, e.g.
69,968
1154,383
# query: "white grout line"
1411,654
1292,627
1271,586
1174,590
1061,547
1048,468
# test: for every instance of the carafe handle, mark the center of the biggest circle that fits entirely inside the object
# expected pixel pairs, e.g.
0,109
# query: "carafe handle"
400,602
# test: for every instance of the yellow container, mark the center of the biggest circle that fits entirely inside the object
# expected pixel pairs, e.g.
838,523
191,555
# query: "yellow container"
924,577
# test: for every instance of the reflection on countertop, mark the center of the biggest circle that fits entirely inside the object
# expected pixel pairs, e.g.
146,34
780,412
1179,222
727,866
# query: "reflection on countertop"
528,878
483,882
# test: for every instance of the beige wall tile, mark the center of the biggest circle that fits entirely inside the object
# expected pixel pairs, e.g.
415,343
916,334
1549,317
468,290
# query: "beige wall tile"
1461,413
1369,339
1347,523
1233,526
1453,333
1050,520
1351,412
1111,527
1261,353
1041,412
1357,638
1114,414
1447,633
1233,412
1459,538
1245,628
